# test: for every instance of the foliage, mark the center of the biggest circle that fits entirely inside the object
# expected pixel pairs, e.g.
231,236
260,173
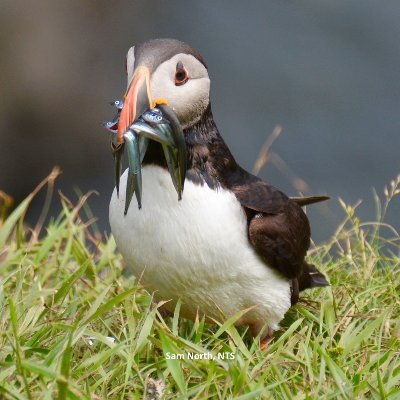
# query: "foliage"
75,325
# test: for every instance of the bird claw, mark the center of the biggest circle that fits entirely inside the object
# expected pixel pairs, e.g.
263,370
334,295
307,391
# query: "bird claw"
159,124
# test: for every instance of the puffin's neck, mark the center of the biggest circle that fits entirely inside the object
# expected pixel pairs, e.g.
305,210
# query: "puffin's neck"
209,158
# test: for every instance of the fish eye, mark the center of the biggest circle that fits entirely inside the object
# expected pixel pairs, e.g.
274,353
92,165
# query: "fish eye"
181,75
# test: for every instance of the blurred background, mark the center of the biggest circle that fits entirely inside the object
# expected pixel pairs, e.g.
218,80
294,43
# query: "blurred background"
327,72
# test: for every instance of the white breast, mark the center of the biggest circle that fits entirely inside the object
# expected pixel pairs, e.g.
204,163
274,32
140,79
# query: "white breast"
196,249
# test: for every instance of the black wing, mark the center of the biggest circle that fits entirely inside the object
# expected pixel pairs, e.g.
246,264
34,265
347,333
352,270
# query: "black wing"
278,230
281,239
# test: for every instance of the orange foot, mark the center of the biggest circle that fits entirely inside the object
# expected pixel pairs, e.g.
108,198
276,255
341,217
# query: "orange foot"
264,342
266,336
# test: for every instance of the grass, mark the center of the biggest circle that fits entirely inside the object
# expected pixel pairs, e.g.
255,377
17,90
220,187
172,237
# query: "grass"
75,325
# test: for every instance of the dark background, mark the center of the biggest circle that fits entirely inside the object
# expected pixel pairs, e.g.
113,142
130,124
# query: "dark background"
327,71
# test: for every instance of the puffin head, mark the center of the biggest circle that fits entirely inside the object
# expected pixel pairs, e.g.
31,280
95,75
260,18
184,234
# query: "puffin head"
165,71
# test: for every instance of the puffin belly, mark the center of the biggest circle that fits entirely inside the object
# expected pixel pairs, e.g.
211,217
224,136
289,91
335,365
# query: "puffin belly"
196,249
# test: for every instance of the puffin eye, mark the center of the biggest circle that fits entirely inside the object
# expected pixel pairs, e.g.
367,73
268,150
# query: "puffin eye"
181,75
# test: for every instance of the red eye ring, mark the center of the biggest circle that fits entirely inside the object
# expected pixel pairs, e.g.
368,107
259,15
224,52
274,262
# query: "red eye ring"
181,75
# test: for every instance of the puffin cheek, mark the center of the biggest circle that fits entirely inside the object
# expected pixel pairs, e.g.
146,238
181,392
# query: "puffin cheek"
195,99
162,87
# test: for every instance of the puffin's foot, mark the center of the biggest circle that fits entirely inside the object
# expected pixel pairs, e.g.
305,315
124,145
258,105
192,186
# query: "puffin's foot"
266,336
162,310
264,342
165,313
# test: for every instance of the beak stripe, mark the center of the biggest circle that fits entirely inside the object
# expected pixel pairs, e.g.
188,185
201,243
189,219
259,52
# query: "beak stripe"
137,100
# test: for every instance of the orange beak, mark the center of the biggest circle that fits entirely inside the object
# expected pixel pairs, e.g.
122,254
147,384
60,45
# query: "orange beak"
137,100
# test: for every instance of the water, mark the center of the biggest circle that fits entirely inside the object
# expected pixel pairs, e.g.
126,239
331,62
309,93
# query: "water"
327,72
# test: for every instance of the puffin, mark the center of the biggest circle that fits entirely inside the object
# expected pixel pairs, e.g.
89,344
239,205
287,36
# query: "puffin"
233,245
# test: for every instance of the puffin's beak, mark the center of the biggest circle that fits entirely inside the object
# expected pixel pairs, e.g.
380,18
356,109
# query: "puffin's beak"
136,126
137,100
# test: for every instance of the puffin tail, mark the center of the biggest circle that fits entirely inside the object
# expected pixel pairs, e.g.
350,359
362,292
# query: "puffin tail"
309,278
305,201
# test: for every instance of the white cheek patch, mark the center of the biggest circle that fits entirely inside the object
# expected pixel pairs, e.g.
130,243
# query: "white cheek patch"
188,100
130,63
193,101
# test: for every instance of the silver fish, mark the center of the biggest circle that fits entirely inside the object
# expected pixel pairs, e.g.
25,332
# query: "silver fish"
117,103
134,183
112,125
161,125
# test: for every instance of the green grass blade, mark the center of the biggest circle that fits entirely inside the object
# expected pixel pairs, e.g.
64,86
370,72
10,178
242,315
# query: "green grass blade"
63,383
97,310
11,221
173,364
68,283
145,331
18,352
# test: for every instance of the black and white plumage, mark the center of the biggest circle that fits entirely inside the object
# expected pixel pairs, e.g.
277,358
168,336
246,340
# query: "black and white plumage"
233,241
